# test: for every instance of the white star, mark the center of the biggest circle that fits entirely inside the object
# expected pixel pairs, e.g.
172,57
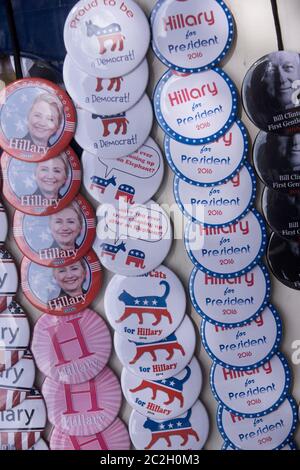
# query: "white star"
29,182
137,302
24,98
154,302
162,426
164,381
172,383
179,424
45,237
170,426
146,302
20,126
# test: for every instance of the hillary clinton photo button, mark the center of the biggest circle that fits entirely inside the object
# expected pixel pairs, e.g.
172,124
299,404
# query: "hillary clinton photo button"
8,279
41,188
57,240
148,309
3,223
62,291
37,120
282,212
284,260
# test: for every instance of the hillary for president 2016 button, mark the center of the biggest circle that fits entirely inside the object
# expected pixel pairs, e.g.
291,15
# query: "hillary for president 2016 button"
212,164
41,188
148,309
271,432
134,178
284,260
217,206
57,240
195,108
71,349
115,136
62,291
247,347
37,120
83,409
190,37
105,95
227,252
158,360
3,222
282,213
230,302
112,36
189,431
8,279
163,399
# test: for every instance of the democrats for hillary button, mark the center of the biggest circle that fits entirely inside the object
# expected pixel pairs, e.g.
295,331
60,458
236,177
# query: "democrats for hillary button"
197,108
252,393
284,260
246,347
83,409
115,136
189,431
146,309
132,240
105,95
62,291
57,240
71,349
211,164
37,120
271,432
217,205
229,251
133,178
3,222
8,279
163,399
41,188
161,359
112,37
282,212
190,36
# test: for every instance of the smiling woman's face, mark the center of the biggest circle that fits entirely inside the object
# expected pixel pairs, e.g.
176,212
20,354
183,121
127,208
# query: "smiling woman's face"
51,176
70,278
65,227
43,122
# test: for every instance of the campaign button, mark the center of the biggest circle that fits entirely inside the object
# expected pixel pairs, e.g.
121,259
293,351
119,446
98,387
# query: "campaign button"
284,260
289,446
57,240
189,431
115,136
115,437
105,95
3,222
197,108
282,213
133,179
83,409
246,347
132,240
217,206
8,279
40,445
158,360
112,36
38,120
229,251
71,349
191,37
62,291
16,382
163,399
230,302
148,309
41,188
271,432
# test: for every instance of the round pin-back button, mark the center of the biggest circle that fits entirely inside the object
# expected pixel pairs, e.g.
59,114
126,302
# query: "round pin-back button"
148,309
230,302
26,132
166,398
195,108
83,409
217,206
209,165
134,178
284,260
3,222
289,446
41,188
71,349
57,240
8,278
62,291
189,431
270,93
132,240
115,136
282,212
112,36
247,347
115,437
271,432
105,95
227,252
16,382
158,360
21,427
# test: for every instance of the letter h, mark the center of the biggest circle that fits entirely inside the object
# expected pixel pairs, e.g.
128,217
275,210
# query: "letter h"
71,390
